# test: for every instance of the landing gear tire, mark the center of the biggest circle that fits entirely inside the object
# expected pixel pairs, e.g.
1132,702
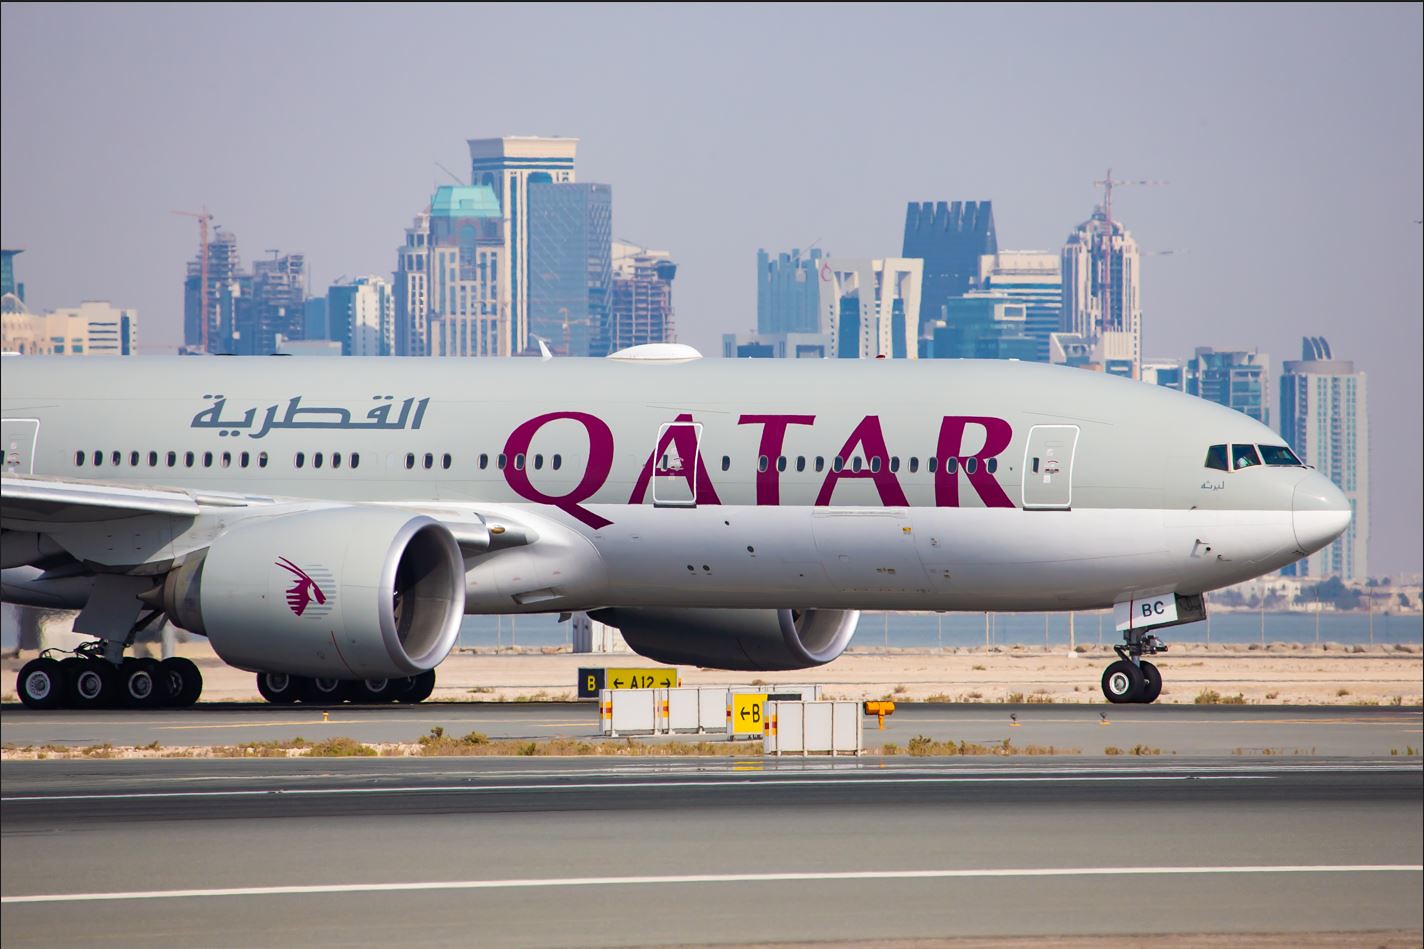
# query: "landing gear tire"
182,682
1152,684
421,687
375,691
1123,682
278,687
140,685
93,683
322,691
41,684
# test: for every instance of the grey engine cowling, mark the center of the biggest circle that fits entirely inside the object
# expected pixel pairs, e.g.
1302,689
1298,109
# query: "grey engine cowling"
744,640
356,592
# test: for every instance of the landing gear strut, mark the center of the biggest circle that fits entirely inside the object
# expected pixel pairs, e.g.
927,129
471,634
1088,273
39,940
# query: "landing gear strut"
1133,679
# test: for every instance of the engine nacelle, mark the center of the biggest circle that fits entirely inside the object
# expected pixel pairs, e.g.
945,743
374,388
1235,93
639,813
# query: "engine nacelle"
354,593
744,640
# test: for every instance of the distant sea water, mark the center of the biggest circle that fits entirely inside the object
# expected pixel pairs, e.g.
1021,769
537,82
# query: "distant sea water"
931,630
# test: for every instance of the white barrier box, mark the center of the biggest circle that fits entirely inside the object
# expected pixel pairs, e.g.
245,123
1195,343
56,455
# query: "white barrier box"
631,711
683,710
807,728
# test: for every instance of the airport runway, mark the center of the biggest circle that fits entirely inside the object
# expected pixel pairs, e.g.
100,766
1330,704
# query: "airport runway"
1170,729
532,852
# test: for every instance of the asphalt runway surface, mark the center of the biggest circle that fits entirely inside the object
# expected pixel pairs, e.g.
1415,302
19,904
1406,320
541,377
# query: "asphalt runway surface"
1090,729
544,852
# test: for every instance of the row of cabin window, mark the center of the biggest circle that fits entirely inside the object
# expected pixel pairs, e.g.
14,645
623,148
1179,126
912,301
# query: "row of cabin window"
211,459
172,459
951,465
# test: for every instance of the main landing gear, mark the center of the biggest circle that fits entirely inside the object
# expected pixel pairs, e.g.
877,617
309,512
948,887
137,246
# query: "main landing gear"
89,679
1132,678
279,688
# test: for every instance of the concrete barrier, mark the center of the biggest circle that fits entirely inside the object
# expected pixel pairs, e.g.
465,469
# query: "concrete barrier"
810,728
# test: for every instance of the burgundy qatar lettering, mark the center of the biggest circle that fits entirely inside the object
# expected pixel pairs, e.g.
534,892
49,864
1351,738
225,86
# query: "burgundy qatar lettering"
595,472
997,435
773,437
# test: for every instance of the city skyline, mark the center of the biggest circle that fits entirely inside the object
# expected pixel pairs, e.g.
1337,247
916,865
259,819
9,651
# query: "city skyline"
1292,144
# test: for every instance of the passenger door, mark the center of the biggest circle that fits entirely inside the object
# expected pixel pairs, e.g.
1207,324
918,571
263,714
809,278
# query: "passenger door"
1048,467
17,440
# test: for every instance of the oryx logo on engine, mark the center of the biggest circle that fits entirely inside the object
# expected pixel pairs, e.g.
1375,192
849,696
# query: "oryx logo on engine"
306,596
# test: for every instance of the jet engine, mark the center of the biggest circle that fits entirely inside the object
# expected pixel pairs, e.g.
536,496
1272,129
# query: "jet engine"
746,640
352,593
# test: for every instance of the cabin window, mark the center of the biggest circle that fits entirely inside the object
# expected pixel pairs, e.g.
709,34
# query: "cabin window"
761,463
538,462
726,463
98,458
133,459
519,462
820,463
355,459
951,465
931,464
914,465
837,463
117,458
300,460
1244,456
153,459
800,462
484,462
244,459
446,461
429,461
1279,456
207,459
875,464
227,459
1216,458
336,459
781,463
894,464
188,459
262,459
409,460
172,459
992,465
79,459
316,460
557,461
499,461
971,465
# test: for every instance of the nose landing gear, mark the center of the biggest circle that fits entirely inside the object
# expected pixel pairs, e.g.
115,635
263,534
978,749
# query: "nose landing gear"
1133,679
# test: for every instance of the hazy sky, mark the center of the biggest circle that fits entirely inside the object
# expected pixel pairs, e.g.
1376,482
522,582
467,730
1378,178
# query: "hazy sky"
1290,135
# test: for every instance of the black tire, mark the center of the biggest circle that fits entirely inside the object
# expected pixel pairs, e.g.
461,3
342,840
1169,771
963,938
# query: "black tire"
182,680
42,684
279,688
323,691
1123,682
422,686
140,684
1152,685
93,683
375,691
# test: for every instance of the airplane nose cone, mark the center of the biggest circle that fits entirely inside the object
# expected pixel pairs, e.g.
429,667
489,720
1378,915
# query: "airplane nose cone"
1320,512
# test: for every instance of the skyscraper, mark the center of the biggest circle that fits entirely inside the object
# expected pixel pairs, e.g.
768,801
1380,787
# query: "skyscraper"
872,307
452,278
1035,279
1234,378
361,316
276,308
949,237
225,287
570,263
1101,293
983,325
508,166
1325,419
12,294
640,310
789,290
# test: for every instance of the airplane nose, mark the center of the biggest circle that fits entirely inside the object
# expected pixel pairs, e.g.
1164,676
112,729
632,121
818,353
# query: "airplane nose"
1320,512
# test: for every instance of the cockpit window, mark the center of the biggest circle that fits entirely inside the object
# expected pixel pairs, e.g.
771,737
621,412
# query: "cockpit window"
1244,456
1280,456
1215,458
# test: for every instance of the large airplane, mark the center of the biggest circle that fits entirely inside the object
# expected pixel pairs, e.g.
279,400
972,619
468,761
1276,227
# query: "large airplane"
326,522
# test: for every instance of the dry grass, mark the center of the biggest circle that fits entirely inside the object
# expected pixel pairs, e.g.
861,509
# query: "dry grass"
922,746
1213,697
439,745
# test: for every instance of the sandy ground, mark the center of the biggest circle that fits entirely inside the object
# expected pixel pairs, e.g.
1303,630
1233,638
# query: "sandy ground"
1280,673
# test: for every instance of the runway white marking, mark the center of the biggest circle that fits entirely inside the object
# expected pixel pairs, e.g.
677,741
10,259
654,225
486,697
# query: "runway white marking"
764,780
703,878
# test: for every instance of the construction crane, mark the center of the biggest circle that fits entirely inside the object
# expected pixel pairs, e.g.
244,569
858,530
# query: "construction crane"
203,218
1108,182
